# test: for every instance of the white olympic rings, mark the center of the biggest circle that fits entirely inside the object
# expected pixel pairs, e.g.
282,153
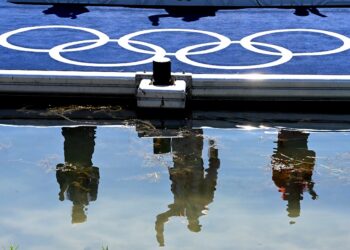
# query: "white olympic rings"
286,56
127,41
246,42
55,53
224,41
102,38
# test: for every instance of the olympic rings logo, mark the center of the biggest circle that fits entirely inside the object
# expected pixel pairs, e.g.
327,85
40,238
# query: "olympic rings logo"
127,42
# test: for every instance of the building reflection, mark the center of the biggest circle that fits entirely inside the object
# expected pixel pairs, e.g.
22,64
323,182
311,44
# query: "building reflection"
77,177
193,186
292,167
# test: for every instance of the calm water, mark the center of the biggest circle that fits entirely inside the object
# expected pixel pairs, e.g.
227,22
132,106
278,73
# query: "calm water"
125,188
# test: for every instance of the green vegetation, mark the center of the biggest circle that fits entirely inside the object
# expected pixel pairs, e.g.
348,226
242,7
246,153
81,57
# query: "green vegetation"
12,247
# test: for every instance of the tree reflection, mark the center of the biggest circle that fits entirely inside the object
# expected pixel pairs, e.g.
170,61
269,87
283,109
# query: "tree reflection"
77,177
193,189
292,167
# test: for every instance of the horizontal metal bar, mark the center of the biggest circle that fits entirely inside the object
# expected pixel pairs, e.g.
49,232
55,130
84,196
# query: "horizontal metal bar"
330,87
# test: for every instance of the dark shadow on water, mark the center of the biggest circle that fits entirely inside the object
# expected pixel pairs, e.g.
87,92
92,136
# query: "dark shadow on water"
77,177
193,186
191,14
292,168
305,11
187,14
71,11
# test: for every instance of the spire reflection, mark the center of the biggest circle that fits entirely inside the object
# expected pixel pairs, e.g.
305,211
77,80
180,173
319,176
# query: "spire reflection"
192,185
292,167
77,177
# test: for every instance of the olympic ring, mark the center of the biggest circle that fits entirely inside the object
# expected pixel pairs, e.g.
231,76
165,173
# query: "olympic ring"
224,41
55,53
181,55
127,41
102,38
247,42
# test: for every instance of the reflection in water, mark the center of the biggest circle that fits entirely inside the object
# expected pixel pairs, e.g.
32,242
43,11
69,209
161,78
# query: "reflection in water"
193,189
77,178
292,167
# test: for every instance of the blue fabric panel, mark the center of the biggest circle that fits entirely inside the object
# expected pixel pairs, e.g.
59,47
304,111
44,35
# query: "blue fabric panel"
312,41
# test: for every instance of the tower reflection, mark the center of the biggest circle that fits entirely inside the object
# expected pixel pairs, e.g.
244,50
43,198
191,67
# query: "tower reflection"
193,189
77,177
292,167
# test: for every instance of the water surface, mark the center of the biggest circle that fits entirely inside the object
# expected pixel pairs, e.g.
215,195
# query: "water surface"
131,187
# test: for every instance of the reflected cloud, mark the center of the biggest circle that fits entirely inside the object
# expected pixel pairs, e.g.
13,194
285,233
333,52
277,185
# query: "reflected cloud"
337,166
151,177
193,186
77,177
5,146
48,163
292,168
